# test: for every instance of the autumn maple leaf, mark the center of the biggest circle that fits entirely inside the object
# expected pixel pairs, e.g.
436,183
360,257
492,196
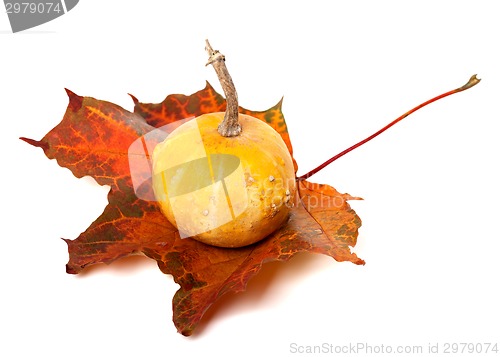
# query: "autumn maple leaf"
94,138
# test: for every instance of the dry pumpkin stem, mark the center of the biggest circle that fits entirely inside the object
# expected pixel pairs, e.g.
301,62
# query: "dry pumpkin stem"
230,125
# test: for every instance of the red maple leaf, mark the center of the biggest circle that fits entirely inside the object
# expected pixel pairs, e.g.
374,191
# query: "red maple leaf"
95,138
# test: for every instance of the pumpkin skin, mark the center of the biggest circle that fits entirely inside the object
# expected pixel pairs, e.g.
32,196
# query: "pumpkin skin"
224,191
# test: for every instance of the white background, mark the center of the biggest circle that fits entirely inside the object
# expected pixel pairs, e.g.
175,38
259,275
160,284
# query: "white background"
430,233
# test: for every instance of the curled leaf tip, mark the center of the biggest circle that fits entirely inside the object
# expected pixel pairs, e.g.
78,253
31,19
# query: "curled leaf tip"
75,101
208,86
280,103
353,198
134,99
39,144
71,270
471,83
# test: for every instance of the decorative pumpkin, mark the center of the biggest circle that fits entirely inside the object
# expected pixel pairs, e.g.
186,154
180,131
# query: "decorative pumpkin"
225,179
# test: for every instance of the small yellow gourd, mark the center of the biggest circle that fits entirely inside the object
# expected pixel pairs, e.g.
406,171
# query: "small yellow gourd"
225,179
